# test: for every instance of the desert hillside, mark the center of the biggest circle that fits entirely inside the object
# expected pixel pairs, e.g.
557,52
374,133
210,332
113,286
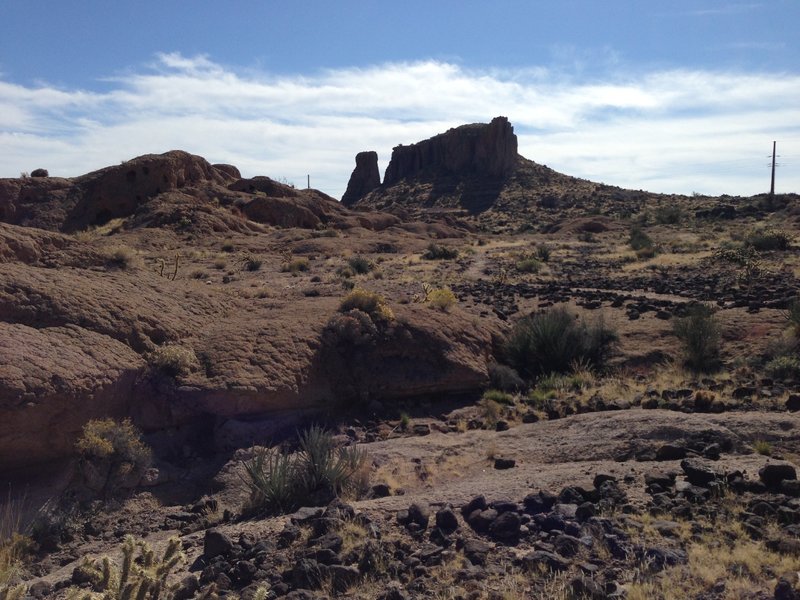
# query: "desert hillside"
474,377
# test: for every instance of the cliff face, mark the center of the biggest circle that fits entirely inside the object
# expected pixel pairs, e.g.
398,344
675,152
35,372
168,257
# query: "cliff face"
479,148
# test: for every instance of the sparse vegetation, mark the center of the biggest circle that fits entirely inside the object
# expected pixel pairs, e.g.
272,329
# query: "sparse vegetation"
528,265
439,252
143,575
121,257
173,360
280,481
442,299
370,303
15,544
763,240
783,367
639,240
296,265
111,452
553,340
668,214
699,333
360,265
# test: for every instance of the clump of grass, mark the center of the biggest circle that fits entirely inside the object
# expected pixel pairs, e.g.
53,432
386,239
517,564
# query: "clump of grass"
15,545
173,360
554,340
296,265
499,396
280,482
405,421
360,265
543,252
762,447
371,303
121,257
699,333
111,452
793,316
442,299
503,377
251,263
439,252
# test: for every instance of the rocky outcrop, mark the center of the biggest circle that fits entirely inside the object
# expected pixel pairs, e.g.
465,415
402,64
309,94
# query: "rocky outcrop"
489,150
364,179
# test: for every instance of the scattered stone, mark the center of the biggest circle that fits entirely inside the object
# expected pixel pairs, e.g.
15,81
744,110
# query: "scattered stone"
504,463
771,475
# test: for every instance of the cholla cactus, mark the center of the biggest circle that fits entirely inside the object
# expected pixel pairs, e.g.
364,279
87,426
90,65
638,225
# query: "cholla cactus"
142,577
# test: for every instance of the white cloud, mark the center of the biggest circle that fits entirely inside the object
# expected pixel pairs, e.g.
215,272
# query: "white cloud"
670,131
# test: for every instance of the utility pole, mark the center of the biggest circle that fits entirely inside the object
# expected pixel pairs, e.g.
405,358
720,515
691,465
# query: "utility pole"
308,185
772,184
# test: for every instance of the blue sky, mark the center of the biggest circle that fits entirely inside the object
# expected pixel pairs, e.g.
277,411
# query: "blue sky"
672,96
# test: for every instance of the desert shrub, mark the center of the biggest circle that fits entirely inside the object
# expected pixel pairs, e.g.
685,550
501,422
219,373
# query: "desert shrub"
783,367
490,411
439,252
251,263
639,239
793,316
528,265
543,252
359,264
443,299
296,265
762,447
120,257
554,340
668,214
143,575
587,237
111,452
498,396
766,239
646,253
700,335
228,246
173,360
370,303
15,544
40,173
318,472
503,377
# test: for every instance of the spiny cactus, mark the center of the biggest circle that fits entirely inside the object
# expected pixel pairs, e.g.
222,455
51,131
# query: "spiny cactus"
142,577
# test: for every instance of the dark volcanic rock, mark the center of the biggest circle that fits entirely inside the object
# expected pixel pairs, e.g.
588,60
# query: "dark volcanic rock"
364,179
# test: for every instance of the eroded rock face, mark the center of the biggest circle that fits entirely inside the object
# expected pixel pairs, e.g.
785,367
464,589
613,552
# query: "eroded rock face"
364,179
478,148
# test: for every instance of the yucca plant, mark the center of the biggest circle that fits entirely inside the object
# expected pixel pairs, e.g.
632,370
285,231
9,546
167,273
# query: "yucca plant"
272,479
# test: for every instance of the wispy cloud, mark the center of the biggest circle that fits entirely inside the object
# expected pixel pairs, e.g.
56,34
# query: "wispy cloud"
665,131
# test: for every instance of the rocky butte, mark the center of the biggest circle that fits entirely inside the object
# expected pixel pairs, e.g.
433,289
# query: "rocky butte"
478,149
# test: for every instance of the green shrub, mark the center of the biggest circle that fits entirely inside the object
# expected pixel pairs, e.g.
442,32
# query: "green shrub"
251,263
442,298
768,239
762,447
639,239
528,265
554,340
699,333
15,545
359,264
543,252
371,303
793,316
783,367
439,252
319,471
668,214
111,452
498,396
